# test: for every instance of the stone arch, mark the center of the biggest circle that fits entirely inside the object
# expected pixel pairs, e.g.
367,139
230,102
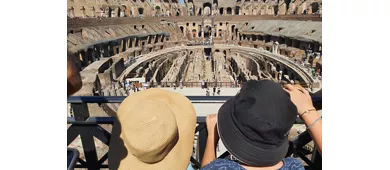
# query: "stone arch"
276,9
315,7
229,11
182,29
177,13
237,10
219,32
158,9
140,11
207,8
220,11
194,33
207,31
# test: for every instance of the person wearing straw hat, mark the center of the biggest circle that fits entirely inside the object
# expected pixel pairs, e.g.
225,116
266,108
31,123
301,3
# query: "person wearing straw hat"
254,127
154,130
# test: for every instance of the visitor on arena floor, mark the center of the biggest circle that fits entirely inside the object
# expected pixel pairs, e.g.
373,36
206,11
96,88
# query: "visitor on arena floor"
154,129
73,77
254,127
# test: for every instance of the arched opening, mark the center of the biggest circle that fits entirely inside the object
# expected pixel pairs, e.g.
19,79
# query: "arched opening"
141,11
277,67
220,33
109,12
207,52
315,7
304,12
194,33
119,12
158,10
207,31
177,13
285,71
276,9
292,77
182,29
229,11
207,8
220,11
287,2
237,10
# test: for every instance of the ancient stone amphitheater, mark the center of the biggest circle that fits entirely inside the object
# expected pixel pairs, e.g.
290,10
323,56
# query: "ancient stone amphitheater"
168,41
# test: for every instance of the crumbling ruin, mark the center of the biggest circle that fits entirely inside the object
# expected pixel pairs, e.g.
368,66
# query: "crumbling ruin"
168,43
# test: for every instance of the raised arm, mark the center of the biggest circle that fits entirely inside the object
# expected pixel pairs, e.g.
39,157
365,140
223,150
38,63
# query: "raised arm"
212,139
302,100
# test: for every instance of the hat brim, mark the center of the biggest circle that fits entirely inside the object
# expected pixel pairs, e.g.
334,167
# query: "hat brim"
246,151
178,158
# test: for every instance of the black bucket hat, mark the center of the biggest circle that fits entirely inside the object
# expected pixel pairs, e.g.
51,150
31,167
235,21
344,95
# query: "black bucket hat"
254,124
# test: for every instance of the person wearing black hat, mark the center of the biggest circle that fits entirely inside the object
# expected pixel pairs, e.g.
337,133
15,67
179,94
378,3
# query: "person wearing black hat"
254,127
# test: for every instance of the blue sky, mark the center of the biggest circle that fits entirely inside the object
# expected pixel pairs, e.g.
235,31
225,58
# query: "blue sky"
181,1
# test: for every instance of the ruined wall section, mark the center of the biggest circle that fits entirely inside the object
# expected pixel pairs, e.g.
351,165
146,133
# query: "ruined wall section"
121,8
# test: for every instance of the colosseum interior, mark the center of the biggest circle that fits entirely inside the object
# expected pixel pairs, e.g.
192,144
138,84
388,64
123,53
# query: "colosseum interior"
168,42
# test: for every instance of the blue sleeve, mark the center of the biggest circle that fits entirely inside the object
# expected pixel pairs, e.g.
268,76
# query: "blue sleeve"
292,164
190,167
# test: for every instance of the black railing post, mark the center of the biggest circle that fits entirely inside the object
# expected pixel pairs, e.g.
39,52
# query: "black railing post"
316,159
81,113
202,139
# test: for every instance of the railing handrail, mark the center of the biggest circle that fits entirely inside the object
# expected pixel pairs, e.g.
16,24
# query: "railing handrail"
193,99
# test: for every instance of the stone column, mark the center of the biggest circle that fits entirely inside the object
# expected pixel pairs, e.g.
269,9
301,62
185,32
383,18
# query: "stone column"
155,39
275,48
123,43
114,50
134,42
147,39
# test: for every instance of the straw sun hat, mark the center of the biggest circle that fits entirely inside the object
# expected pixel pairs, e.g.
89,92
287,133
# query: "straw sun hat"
154,130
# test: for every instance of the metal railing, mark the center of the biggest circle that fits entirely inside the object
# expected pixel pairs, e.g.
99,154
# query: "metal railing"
90,127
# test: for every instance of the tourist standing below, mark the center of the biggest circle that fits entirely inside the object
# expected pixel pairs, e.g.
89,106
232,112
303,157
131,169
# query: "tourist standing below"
202,84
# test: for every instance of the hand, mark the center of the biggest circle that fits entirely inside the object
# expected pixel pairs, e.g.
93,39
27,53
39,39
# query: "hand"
211,123
300,97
